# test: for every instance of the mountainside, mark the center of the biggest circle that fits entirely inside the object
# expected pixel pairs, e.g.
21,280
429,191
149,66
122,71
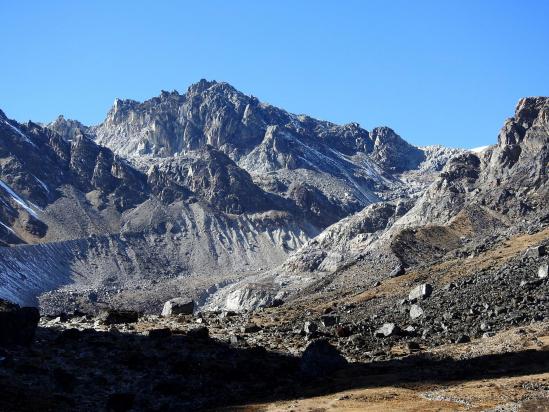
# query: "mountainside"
478,199
183,193
319,165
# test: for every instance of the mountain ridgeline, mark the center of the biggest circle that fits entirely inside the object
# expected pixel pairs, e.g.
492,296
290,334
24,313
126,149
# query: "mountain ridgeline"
213,194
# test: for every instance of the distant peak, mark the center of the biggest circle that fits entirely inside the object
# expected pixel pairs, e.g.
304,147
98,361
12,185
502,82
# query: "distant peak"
201,86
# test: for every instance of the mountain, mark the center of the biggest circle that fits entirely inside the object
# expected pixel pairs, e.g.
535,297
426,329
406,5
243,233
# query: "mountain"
316,164
182,194
478,198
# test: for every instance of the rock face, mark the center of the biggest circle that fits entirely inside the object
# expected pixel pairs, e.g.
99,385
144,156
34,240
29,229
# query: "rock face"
17,325
178,306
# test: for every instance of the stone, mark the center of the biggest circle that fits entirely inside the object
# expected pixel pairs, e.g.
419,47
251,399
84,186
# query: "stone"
17,325
449,286
543,271
160,333
463,339
178,306
310,327
398,271
250,328
485,326
321,358
422,291
329,320
200,332
236,339
415,311
116,316
227,314
388,329
536,251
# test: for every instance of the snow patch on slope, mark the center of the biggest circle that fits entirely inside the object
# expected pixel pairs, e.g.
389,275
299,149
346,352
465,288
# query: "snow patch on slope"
18,199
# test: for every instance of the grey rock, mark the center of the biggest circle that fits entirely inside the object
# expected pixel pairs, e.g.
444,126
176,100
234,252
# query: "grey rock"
200,332
160,333
536,251
178,306
398,271
543,271
118,316
416,311
388,329
310,327
422,291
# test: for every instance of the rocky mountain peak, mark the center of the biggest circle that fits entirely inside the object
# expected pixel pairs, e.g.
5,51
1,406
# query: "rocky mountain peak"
529,109
393,152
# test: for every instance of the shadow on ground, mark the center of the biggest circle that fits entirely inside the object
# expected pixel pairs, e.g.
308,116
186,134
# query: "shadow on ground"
91,370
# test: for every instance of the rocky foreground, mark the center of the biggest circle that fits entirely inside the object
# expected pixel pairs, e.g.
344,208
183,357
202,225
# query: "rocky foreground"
475,336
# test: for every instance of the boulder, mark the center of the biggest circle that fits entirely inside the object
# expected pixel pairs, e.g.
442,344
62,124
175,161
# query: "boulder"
397,271
320,358
250,328
388,329
536,251
17,325
416,311
178,306
117,316
543,271
422,291
201,332
160,333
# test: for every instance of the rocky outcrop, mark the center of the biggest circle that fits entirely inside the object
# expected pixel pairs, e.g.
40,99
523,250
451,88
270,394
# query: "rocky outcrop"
17,325
393,153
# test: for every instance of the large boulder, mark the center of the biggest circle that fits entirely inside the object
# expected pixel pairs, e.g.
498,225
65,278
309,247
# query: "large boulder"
117,316
321,358
178,306
17,325
388,329
422,291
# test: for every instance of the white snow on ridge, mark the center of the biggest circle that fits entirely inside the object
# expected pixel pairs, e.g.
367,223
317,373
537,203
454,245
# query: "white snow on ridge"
7,227
479,149
19,132
42,184
18,199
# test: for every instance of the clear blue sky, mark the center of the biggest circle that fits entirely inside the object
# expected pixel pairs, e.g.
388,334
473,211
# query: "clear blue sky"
445,72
